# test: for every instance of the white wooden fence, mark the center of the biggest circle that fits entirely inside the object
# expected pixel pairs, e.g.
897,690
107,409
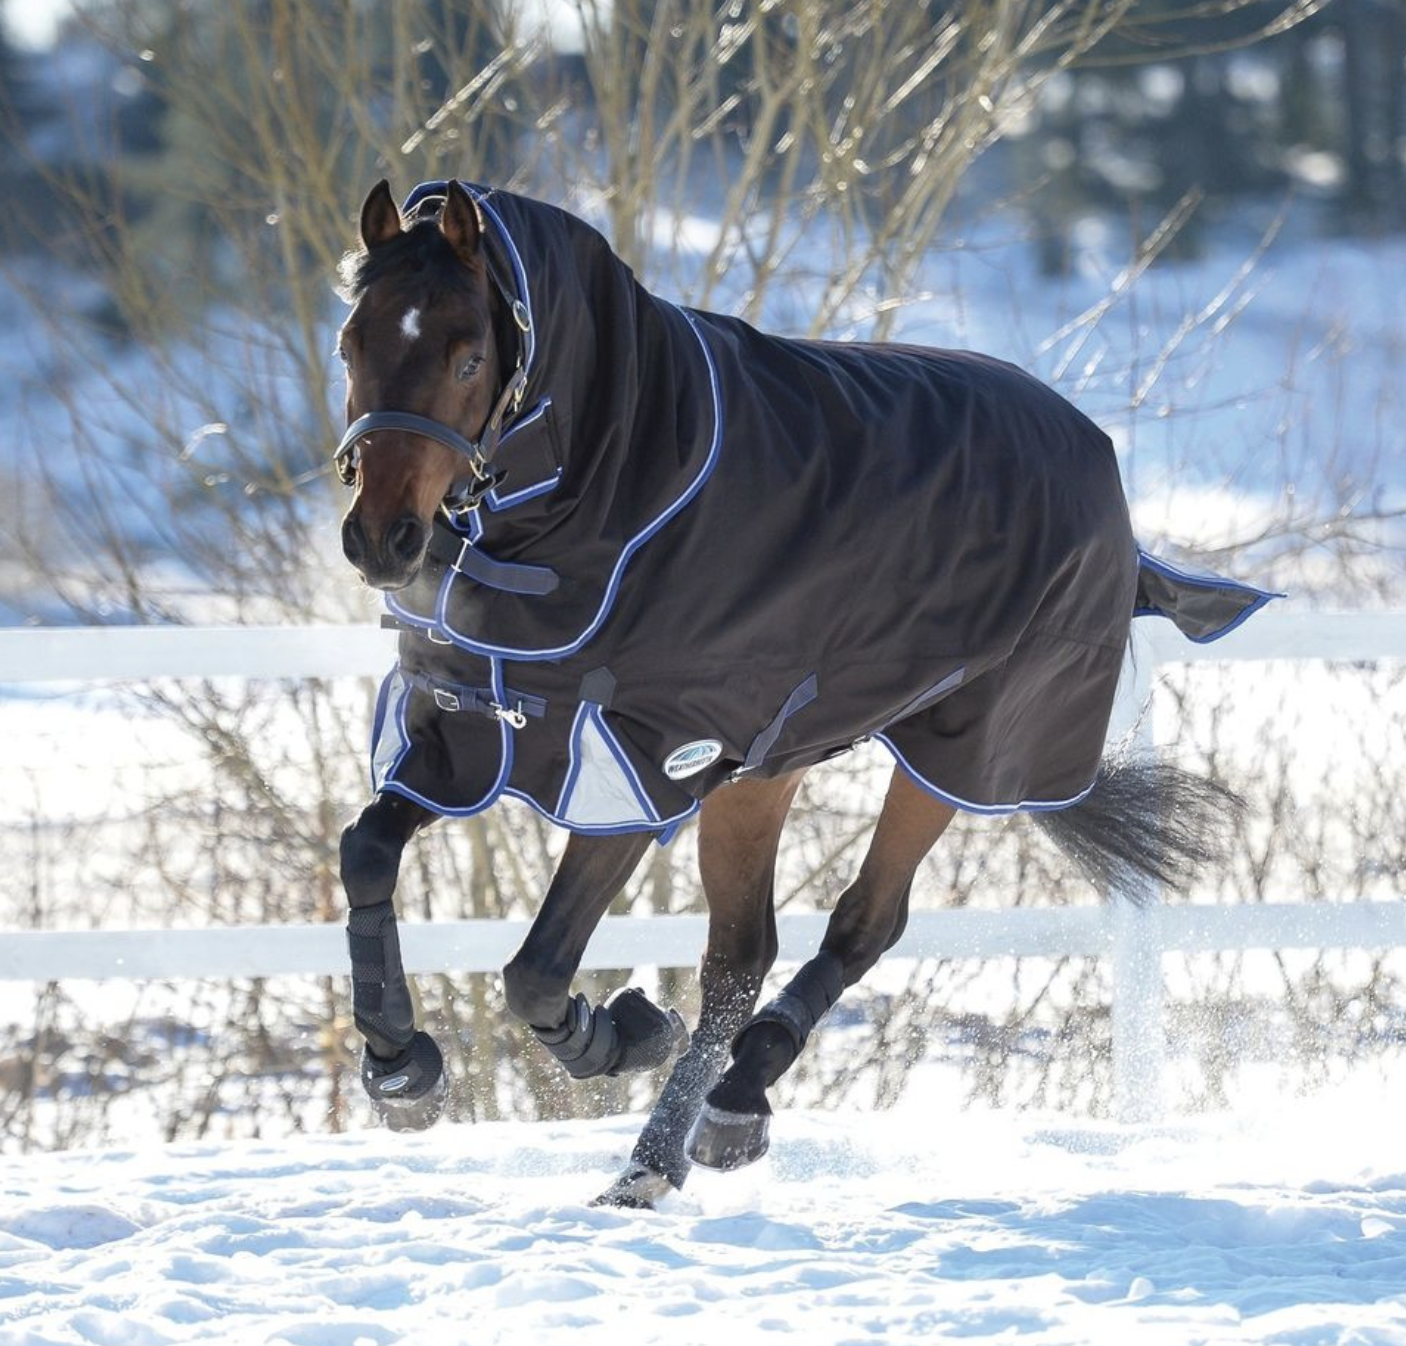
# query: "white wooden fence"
1134,938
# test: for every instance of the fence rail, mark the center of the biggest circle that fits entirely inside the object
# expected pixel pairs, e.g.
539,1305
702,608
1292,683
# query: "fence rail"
163,953
1134,938
141,653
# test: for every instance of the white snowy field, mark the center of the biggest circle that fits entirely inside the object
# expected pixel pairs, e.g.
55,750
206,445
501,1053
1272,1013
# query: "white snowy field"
1284,1225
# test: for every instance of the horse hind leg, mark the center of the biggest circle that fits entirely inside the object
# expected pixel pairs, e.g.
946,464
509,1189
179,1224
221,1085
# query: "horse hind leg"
733,1128
402,1069
739,829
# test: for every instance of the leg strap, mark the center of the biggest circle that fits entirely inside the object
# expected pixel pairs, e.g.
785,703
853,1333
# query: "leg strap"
626,1034
585,1042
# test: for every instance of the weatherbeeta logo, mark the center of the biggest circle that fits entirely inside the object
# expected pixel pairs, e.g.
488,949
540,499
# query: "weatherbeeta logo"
692,757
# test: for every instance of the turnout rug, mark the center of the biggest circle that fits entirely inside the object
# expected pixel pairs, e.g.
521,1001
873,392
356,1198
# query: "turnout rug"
717,553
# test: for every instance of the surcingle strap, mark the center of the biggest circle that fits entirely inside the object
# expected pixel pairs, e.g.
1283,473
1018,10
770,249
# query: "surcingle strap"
799,699
459,696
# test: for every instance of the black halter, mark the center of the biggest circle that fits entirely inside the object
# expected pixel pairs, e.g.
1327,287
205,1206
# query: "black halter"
466,493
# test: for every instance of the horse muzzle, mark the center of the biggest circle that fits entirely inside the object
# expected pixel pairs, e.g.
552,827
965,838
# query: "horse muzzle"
392,560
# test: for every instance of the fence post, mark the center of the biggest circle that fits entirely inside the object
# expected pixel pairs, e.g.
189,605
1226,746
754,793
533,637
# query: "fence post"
1139,1029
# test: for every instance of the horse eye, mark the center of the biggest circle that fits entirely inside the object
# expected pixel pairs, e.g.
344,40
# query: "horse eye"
342,353
466,369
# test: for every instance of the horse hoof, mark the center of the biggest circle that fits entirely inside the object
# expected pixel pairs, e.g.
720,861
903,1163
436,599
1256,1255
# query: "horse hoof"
408,1091
637,1188
727,1140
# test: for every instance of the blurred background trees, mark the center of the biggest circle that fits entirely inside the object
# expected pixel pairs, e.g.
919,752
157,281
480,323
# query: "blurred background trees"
183,178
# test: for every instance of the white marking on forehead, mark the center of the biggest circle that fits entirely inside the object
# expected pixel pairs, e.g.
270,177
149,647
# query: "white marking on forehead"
410,324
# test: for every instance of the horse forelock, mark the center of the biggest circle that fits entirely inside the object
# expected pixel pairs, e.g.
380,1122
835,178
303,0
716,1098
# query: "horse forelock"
422,253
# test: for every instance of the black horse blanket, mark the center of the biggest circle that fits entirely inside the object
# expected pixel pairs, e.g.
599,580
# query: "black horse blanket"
717,553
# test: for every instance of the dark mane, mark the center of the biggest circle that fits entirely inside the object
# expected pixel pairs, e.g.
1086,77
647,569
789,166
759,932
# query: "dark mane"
421,251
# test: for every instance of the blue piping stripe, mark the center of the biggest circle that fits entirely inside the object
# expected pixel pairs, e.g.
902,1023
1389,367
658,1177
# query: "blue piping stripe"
531,418
988,810
627,766
438,187
573,757
519,271
498,501
1225,630
505,759
591,711
379,719
666,826
627,552
415,619
1204,581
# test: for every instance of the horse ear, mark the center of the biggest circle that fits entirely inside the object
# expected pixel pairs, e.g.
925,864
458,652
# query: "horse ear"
380,219
461,224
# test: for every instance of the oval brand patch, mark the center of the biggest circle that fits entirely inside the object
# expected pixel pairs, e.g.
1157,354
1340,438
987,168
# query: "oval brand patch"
692,758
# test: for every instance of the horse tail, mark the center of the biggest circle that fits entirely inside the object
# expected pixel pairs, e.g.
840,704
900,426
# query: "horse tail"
1146,822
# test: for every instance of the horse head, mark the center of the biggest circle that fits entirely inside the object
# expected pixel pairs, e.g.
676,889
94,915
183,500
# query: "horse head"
424,378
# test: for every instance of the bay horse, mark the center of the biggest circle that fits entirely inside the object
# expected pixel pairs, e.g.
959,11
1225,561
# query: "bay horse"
648,562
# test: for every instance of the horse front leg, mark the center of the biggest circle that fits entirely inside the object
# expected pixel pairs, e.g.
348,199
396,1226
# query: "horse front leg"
739,829
628,1032
733,1127
401,1067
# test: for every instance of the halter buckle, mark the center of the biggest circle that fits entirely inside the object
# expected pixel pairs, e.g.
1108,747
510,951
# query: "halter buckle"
346,462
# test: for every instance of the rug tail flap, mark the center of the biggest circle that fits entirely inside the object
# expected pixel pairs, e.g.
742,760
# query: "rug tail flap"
1204,606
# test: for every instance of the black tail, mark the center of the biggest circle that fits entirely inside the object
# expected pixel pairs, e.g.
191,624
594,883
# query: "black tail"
1145,822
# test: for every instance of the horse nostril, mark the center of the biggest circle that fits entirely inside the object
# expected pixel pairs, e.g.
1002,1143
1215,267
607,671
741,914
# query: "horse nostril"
406,538
353,539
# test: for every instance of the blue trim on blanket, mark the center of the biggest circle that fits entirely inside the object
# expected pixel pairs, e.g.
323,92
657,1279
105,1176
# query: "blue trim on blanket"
667,828
685,498
988,810
497,502
378,721
505,756
573,758
590,712
1203,579
524,293
440,187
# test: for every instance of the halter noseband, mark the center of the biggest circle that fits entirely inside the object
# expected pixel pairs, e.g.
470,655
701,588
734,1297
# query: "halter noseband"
479,453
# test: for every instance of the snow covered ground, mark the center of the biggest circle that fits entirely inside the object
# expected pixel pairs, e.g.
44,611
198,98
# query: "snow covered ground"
1286,1225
